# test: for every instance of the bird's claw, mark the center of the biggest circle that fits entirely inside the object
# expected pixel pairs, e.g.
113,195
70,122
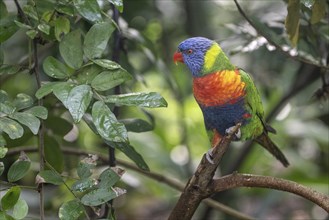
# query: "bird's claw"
237,135
209,156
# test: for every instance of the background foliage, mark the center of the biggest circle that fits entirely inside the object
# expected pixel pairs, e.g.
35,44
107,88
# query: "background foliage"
283,45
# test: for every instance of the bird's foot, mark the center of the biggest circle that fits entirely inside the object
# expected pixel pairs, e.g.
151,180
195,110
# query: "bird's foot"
237,135
209,156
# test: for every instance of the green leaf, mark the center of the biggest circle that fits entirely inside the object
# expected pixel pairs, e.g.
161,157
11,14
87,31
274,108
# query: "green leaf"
27,119
109,177
2,168
100,196
46,89
107,125
50,176
88,9
85,166
65,9
38,111
84,184
22,101
70,49
88,73
9,69
78,101
149,100
62,91
292,21
7,28
2,142
108,64
10,198
3,150
3,96
62,27
5,216
54,154
11,127
71,210
118,4
30,11
56,69
22,25
318,11
31,33
130,152
45,28
96,39
20,209
7,108
3,10
109,79
19,168
137,125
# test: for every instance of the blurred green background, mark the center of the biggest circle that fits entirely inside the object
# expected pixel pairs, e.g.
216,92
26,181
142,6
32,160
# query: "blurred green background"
152,31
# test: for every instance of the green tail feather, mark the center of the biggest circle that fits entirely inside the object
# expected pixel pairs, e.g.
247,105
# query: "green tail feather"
265,141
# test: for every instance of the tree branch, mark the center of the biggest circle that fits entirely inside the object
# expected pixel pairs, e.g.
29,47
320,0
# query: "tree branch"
197,187
247,180
175,184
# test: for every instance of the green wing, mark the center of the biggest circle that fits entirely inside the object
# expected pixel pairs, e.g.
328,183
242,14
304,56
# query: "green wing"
254,106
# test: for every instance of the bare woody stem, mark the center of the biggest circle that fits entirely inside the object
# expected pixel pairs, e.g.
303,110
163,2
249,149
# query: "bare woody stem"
236,180
197,187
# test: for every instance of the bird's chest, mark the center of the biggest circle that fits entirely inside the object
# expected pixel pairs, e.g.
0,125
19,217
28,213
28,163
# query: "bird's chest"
218,88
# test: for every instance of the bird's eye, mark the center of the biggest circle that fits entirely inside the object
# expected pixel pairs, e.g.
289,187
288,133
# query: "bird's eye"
189,51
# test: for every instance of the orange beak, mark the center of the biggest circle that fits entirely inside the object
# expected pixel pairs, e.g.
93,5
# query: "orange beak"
178,57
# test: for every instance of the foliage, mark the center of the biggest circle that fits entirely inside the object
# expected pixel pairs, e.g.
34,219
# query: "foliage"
85,91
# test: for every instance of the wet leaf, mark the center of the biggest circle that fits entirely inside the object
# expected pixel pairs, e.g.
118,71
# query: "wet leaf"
86,165
10,198
109,79
149,100
100,196
70,49
27,119
21,209
56,69
46,89
62,91
78,101
96,39
107,125
22,101
50,176
108,64
19,168
38,111
71,210
84,184
109,177
88,9
62,27
11,127
130,152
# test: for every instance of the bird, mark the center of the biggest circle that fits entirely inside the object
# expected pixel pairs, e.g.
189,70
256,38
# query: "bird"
226,95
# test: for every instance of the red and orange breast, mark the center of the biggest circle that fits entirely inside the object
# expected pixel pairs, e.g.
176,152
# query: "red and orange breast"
219,88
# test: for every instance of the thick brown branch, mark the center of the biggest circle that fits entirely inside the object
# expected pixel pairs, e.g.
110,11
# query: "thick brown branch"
197,187
247,180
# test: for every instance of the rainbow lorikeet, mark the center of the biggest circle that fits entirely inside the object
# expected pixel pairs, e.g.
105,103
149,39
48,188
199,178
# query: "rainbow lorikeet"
225,94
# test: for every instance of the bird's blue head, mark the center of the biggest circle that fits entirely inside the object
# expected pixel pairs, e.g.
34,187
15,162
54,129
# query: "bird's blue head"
192,52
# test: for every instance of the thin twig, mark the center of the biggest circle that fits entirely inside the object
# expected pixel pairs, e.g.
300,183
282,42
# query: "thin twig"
247,180
277,46
175,184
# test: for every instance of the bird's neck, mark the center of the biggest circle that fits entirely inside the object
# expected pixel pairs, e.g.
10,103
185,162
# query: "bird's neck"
215,60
